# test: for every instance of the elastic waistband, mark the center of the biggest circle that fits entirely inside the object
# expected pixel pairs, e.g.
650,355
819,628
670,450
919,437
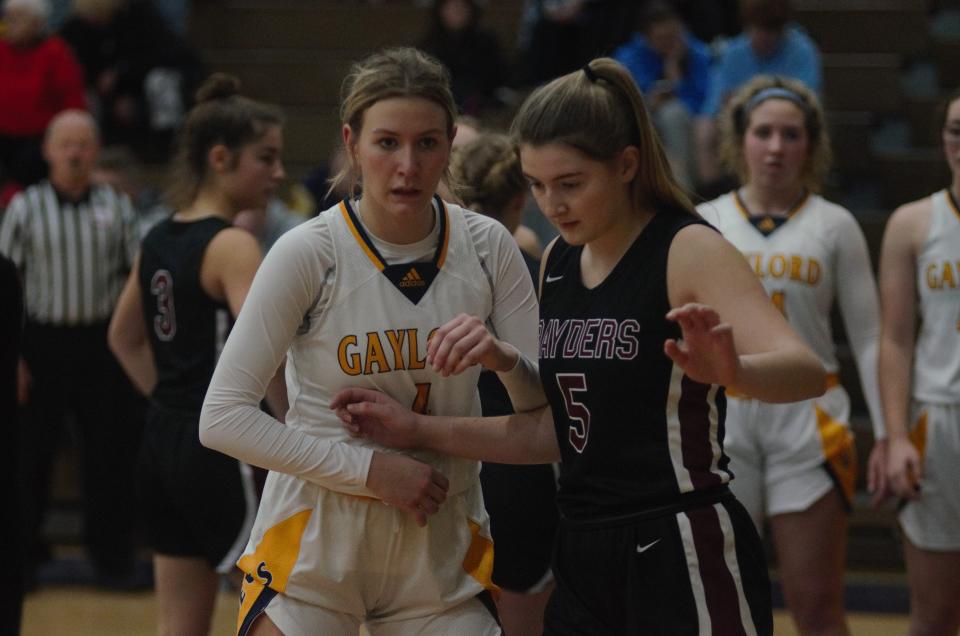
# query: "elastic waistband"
686,501
833,381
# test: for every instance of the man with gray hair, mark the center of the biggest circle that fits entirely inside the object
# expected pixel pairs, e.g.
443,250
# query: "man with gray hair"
39,77
73,244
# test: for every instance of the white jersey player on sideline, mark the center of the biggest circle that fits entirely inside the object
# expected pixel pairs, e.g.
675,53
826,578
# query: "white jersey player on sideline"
795,464
920,279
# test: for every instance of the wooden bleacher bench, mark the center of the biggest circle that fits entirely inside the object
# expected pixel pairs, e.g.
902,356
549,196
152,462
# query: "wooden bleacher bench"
862,81
865,26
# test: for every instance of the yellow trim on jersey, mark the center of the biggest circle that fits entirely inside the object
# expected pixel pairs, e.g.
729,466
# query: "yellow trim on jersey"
839,451
478,561
377,262
276,554
952,202
918,435
445,239
271,562
251,590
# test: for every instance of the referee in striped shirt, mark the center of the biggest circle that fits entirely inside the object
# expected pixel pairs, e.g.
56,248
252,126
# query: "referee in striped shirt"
74,244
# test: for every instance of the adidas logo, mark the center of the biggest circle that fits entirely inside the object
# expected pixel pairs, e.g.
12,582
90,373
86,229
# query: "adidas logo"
412,279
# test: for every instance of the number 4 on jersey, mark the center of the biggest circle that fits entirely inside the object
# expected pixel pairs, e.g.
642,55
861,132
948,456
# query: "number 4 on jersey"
577,412
422,400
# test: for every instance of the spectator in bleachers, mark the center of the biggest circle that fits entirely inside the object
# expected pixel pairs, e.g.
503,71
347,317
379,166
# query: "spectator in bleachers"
39,77
558,36
771,44
139,73
470,52
920,383
709,19
73,243
795,464
672,68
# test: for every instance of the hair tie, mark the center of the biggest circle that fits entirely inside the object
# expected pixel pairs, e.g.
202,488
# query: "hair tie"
590,73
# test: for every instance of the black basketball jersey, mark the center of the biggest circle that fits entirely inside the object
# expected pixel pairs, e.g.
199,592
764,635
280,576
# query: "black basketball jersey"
187,327
634,432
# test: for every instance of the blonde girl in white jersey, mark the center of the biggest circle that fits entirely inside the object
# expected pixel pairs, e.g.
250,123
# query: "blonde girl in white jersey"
394,290
920,384
794,464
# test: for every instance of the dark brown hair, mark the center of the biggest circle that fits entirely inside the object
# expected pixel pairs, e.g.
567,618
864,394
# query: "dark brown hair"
766,14
221,116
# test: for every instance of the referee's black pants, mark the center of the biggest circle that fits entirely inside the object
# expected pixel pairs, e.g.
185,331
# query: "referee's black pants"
74,373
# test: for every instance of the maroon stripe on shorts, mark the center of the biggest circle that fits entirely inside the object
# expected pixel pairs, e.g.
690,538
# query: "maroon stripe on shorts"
718,584
693,411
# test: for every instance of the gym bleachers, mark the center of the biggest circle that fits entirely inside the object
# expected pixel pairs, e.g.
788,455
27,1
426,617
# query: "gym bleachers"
295,53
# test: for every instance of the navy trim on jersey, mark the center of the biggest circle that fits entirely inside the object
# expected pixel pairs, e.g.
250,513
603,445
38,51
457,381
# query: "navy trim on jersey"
411,279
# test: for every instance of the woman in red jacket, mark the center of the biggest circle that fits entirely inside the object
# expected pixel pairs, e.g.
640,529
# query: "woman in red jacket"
39,77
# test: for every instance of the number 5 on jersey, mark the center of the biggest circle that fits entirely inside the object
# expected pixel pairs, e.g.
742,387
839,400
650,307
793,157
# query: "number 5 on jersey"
577,412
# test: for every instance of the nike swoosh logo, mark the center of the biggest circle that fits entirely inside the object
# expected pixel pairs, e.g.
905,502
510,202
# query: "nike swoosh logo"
551,279
643,548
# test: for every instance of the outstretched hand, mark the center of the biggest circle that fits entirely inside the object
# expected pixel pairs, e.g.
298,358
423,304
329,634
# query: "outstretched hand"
410,485
463,342
707,352
376,416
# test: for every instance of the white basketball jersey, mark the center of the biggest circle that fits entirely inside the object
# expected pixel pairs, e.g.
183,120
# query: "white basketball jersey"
378,335
936,368
795,262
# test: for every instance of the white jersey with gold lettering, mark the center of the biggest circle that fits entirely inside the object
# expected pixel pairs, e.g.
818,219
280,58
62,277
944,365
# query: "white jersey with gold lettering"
806,261
349,310
816,256
936,367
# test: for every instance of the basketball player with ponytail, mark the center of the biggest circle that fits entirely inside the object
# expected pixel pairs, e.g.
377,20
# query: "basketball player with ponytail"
189,280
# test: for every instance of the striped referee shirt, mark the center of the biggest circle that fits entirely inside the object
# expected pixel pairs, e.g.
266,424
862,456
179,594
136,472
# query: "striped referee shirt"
74,256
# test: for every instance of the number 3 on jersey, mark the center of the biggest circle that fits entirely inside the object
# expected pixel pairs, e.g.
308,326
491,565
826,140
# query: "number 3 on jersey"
577,412
165,320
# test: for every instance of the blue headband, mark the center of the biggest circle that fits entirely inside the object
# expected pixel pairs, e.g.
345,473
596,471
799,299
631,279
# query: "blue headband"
775,92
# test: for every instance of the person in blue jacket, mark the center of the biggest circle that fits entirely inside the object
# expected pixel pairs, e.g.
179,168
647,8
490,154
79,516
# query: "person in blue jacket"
672,69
